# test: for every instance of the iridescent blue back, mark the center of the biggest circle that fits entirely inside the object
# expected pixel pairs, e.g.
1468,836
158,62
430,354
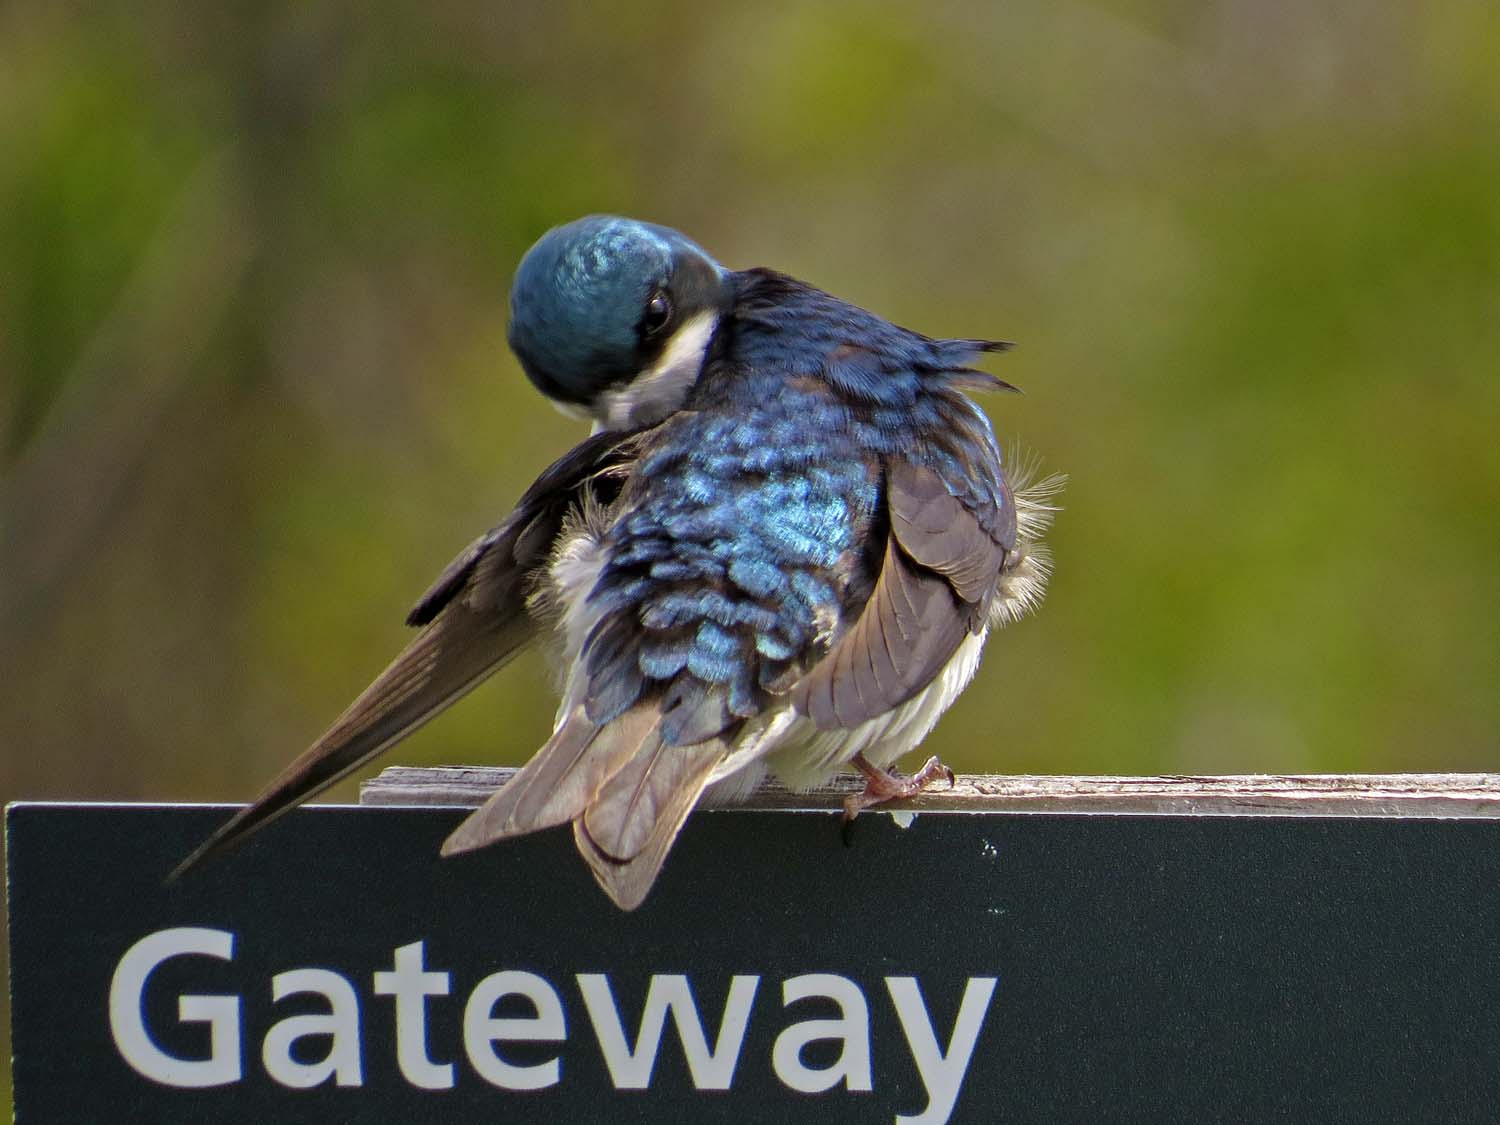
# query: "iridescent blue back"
755,519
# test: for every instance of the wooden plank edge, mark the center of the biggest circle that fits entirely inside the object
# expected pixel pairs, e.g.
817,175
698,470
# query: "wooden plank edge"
1442,795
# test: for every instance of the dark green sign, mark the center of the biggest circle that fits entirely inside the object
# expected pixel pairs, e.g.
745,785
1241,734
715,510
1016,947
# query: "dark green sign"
966,968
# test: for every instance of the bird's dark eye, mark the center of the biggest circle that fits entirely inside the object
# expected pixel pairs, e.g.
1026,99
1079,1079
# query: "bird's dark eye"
658,312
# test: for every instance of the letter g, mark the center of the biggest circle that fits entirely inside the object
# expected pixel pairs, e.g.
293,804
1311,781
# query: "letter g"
221,1013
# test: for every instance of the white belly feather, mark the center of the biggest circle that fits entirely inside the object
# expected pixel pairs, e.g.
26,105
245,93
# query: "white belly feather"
806,756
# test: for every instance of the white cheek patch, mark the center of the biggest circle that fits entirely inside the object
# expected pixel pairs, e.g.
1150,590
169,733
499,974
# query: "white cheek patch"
662,387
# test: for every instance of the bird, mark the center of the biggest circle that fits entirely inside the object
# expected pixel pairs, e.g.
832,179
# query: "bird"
781,550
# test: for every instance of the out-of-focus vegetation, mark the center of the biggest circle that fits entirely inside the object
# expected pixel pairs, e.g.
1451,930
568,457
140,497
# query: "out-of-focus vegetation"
254,390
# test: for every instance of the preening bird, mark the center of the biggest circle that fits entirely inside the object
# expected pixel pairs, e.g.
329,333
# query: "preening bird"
782,549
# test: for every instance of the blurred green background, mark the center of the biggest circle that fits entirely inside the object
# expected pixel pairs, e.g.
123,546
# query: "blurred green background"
254,389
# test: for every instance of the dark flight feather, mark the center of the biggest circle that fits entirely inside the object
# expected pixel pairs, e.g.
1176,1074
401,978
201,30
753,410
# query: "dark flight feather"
938,574
475,620
904,636
448,659
938,532
527,534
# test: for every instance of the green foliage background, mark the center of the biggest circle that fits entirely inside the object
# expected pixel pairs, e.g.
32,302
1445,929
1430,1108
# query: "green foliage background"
254,390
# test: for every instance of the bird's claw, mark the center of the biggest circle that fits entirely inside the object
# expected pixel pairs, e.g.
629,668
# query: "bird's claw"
888,785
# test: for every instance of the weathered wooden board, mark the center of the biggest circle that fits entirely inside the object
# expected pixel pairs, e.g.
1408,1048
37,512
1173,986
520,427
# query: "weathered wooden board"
1390,794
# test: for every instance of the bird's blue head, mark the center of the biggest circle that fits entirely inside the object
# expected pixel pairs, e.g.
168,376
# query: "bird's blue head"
613,318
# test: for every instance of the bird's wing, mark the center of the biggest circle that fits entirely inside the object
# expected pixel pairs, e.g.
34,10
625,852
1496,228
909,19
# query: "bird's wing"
936,582
474,619
492,570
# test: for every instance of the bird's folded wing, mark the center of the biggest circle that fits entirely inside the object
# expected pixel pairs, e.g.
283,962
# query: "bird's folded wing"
936,581
474,619
489,569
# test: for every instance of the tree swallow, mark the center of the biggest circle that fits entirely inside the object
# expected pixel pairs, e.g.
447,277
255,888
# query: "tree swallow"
782,549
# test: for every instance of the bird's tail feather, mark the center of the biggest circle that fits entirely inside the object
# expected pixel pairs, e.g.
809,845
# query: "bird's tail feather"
625,834
642,794
625,790
560,781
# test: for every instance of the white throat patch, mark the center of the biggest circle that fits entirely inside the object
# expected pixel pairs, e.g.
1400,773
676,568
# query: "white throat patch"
662,387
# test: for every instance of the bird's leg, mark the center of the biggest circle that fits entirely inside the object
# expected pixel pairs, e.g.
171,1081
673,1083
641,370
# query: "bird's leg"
888,785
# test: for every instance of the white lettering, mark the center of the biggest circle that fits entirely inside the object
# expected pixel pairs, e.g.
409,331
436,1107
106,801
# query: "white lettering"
222,1013
341,1021
517,1007
630,1069
852,1026
482,1030
942,1071
411,987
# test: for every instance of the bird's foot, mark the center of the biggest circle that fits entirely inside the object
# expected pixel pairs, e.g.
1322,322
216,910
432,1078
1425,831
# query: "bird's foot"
888,785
